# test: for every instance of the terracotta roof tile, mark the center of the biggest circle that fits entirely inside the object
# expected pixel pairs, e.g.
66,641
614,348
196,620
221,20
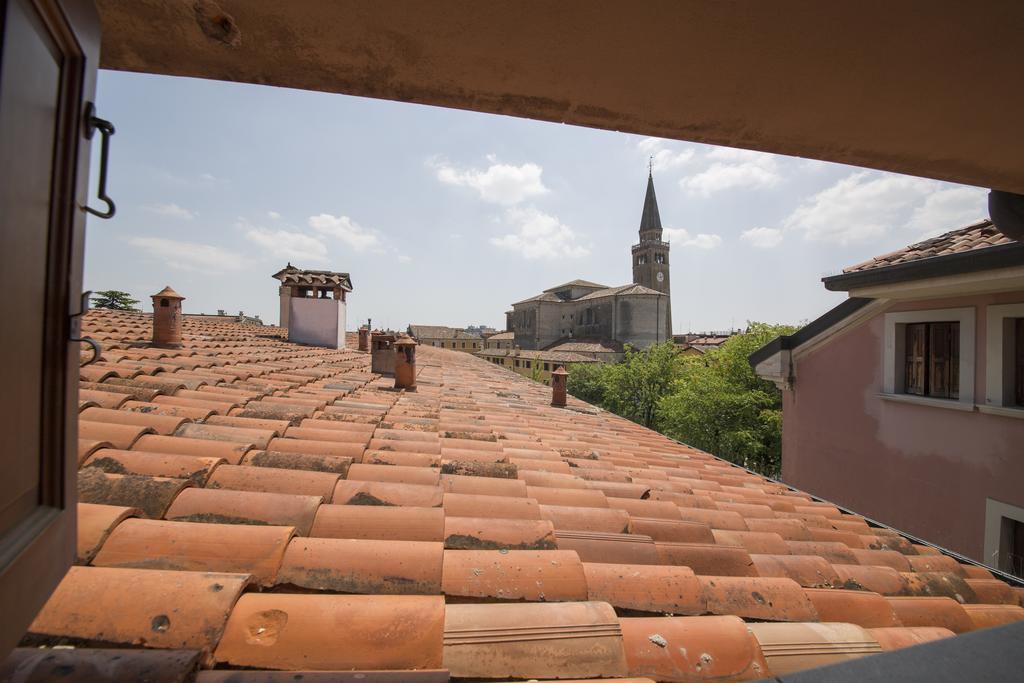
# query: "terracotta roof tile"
474,489
301,632
344,565
567,640
133,607
979,235
156,544
95,522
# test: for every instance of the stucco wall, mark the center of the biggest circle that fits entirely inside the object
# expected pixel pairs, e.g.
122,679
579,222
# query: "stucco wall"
922,469
319,322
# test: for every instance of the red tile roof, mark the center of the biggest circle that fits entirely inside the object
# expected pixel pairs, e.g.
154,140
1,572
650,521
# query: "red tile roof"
973,237
467,527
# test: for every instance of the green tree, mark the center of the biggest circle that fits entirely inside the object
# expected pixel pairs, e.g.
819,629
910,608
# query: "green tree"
641,380
587,382
718,404
114,299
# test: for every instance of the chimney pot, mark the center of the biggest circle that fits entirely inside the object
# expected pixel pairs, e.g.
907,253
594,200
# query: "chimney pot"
167,318
405,363
558,382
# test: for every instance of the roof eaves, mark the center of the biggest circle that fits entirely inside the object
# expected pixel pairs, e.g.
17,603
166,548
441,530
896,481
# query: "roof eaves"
812,329
989,258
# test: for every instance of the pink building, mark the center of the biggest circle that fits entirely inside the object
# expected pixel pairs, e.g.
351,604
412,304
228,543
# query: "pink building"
906,401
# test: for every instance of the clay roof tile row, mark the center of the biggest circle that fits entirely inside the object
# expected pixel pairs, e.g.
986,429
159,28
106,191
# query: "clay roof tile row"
466,529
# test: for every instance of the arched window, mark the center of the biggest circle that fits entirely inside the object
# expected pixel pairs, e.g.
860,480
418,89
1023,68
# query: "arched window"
659,258
641,259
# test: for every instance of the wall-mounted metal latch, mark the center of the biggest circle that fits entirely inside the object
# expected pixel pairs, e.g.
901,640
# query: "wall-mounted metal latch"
106,129
76,330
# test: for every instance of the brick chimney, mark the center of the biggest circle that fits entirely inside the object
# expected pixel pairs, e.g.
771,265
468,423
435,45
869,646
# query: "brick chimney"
167,319
558,380
364,338
405,363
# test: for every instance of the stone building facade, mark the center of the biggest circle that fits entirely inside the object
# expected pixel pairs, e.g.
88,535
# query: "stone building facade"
639,314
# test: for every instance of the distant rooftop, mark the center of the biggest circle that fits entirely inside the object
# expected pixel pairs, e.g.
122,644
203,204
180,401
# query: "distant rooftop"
439,332
577,283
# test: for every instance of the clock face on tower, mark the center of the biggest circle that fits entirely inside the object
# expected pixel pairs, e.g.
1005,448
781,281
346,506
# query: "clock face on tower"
660,276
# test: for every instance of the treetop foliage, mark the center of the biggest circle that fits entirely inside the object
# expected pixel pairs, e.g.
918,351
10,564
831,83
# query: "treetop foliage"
713,401
114,299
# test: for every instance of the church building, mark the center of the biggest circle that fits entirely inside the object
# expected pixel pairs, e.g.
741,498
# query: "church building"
639,313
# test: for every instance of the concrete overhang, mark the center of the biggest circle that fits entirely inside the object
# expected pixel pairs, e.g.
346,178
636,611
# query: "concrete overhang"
925,87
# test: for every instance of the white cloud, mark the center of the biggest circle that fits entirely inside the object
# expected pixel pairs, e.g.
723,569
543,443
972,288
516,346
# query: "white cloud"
347,230
681,237
171,211
538,235
663,156
499,183
403,258
733,168
188,255
273,215
948,209
208,177
284,244
762,238
867,204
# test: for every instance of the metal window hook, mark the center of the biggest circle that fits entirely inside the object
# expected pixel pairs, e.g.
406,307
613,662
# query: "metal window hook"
106,129
76,331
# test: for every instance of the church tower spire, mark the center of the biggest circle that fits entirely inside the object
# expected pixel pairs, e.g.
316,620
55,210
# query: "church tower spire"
650,220
650,254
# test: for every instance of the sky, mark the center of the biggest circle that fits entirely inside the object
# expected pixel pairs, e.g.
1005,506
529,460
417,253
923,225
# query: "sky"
446,217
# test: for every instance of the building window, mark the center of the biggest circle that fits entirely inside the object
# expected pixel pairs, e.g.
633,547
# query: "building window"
1004,537
932,359
517,364
1012,546
1004,358
659,258
463,344
641,260
929,357
547,366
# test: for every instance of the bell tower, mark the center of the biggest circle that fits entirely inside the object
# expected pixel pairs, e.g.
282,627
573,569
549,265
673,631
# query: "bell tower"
650,255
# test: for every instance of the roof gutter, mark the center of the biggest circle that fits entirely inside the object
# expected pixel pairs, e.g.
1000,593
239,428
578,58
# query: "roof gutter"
989,258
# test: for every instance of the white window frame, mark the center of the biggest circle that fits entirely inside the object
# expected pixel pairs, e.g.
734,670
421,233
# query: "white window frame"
893,352
999,356
995,511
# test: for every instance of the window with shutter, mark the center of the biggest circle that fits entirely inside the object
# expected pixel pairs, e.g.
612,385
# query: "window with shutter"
917,344
942,382
933,360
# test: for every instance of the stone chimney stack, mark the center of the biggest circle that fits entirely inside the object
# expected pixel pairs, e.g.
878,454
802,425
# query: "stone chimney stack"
558,381
364,338
405,363
167,319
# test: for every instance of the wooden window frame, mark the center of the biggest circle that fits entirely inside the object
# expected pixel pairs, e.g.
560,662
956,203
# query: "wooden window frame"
35,554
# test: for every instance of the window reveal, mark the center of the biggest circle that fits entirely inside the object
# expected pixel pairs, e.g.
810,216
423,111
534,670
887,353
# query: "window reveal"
1018,361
